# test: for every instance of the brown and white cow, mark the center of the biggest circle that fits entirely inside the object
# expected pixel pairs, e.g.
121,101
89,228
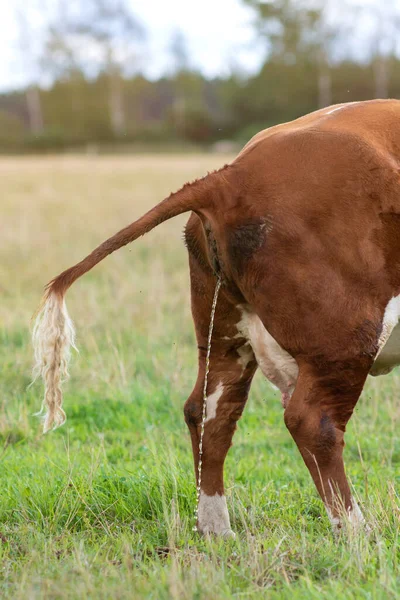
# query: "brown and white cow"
303,228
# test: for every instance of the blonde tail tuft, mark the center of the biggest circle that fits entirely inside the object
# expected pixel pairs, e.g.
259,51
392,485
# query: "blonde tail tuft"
53,336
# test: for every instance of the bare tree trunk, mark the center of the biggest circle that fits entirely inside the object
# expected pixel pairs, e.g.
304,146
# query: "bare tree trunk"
381,72
179,111
324,77
117,112
34,106
324,88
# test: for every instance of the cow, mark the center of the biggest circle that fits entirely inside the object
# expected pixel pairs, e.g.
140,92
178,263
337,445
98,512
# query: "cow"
302,229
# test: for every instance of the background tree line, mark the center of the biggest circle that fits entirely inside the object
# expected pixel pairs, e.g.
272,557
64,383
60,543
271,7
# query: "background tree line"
86,87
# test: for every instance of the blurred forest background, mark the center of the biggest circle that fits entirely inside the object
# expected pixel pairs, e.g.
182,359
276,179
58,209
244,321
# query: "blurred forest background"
87,89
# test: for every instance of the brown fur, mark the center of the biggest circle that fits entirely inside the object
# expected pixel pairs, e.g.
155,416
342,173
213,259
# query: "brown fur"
303,227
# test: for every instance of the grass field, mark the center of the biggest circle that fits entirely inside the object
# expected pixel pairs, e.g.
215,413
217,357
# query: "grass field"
102,508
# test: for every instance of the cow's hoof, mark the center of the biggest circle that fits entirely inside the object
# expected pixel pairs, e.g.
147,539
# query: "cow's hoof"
228,534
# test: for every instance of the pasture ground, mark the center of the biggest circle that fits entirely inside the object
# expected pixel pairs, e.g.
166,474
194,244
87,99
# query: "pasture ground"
102,508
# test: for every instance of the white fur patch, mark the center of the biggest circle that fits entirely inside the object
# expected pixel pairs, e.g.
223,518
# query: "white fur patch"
213,516
275,363
390,320
335,521
388,355
355,519
212,402
246,355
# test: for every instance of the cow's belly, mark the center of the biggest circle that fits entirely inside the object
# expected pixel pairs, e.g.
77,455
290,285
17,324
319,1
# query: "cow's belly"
281,369
389,356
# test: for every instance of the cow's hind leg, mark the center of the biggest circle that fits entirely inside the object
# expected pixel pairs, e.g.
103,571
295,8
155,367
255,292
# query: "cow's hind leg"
316,417
227,393
232,366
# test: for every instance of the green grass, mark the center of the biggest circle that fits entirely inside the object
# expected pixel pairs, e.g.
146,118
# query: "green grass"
102,508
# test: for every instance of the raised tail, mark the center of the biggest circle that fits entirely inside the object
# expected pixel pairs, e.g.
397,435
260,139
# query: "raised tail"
53,332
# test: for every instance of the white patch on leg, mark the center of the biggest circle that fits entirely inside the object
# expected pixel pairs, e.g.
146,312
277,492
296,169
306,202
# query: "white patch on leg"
335,521
355,519
212,402
213,516
246,355
277,365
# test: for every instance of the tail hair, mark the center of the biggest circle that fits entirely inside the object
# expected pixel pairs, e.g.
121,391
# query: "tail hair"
53,337
53,331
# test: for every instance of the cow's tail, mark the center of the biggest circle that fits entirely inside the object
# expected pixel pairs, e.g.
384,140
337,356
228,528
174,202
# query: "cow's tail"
53,331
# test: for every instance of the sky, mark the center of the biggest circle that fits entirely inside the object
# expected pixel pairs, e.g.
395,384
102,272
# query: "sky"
218,32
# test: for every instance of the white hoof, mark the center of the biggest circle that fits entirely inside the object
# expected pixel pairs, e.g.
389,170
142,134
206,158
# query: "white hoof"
228,534
351,522
213,517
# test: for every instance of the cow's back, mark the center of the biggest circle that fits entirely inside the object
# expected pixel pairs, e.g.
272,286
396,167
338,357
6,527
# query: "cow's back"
375,121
